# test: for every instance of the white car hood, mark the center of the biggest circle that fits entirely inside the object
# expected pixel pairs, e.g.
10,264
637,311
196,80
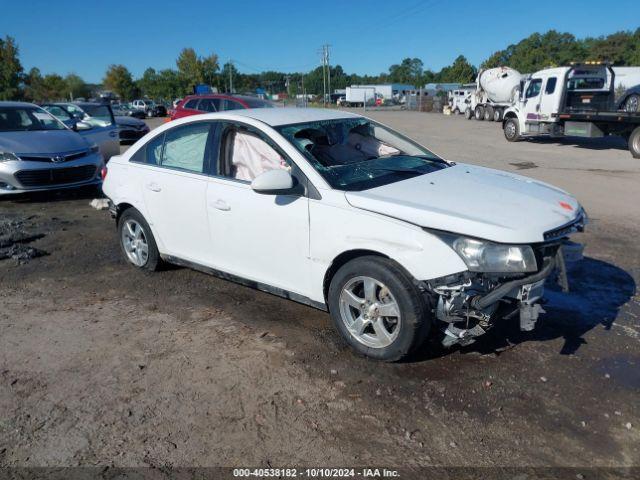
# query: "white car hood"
474,201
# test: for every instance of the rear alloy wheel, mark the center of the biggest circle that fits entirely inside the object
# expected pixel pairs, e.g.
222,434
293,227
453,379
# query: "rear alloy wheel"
377,309
511,130
479,112
632,104
137,242
488,113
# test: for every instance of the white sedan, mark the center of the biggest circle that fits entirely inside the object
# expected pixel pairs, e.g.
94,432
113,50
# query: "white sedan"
334,210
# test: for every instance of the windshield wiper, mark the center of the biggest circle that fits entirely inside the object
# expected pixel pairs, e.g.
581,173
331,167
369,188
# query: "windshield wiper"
411,171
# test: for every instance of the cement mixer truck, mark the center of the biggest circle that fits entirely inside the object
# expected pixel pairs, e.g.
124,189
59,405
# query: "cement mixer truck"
496,90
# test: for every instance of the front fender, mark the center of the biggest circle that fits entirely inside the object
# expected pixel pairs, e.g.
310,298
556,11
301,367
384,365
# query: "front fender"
336,230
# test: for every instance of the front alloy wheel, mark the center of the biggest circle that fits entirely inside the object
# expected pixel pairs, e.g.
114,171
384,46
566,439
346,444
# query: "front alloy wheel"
377,308
370,312
511,130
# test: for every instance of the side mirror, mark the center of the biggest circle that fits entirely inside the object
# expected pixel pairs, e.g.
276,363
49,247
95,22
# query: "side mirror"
274,182
81,126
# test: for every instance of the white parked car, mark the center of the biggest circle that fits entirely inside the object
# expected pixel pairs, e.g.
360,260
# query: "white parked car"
342,213
144,105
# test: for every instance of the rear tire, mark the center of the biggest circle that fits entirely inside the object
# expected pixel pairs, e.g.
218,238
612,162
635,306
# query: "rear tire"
511,129
137,243
468,114
478,113
488,113
365,288
634,143
497,115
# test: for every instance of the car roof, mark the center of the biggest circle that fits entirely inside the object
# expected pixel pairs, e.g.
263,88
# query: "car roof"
286,116
17,104
89,104
226,95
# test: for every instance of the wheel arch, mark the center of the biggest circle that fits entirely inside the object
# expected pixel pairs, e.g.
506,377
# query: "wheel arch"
341,260
120,209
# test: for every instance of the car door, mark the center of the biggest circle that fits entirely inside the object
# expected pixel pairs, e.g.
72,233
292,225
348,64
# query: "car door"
174,185
263,238
550,98
103,131
532,100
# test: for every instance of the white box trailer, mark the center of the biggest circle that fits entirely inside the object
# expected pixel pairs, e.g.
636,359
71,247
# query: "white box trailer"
358,96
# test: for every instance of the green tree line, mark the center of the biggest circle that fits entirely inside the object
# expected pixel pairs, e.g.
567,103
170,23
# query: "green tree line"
537,51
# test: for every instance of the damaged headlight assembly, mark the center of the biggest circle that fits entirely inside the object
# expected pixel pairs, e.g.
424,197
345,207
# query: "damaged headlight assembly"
489,257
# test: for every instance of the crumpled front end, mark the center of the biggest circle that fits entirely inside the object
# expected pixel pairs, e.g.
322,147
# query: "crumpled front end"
467,304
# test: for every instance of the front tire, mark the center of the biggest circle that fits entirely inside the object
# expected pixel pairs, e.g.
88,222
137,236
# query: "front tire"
468,113
136,241
377,308
511,129
478,113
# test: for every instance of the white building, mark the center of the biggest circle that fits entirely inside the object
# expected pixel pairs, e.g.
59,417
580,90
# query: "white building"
390,91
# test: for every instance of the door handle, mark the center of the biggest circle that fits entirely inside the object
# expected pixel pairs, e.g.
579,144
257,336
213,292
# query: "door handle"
221,205
154,187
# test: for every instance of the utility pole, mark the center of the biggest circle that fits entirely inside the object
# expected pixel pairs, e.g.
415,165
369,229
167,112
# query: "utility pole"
323,56
328,71
230,76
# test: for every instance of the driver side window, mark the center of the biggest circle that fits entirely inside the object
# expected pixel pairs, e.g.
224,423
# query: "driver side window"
246,154
534,88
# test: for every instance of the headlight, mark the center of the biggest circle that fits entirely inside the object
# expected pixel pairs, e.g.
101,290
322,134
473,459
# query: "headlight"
8,157
485,256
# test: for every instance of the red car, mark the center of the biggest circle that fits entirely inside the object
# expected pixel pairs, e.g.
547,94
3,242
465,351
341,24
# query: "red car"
214,102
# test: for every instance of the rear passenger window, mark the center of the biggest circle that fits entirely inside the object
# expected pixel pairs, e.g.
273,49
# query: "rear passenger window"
231,105
154,150
185,147
206,105
193,103
551,85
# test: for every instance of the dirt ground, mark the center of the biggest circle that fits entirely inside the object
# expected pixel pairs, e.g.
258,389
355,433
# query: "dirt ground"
103,365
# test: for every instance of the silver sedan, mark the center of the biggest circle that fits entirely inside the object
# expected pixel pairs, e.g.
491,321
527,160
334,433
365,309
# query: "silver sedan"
38,152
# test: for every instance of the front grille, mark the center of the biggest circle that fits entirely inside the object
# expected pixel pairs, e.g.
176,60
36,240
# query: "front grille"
55,176
55,158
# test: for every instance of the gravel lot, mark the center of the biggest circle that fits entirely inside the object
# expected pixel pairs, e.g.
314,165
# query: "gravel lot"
104,365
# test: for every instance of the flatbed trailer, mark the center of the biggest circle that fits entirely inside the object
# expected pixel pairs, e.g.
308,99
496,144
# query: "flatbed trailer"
593,124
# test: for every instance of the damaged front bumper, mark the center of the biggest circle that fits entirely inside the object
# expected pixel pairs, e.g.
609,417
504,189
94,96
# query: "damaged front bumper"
468,304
